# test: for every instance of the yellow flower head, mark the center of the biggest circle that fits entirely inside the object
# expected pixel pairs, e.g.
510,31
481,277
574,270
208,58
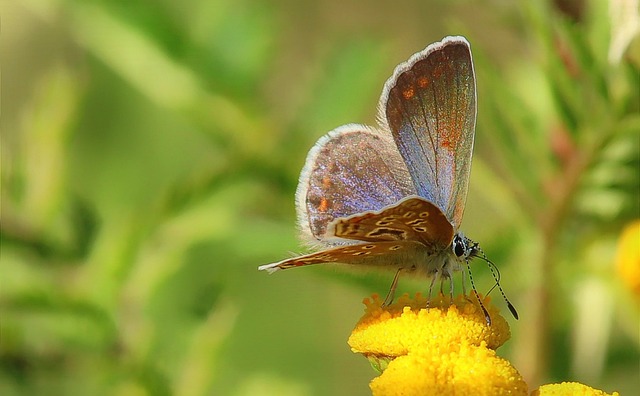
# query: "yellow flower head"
444,349
628,257
569,389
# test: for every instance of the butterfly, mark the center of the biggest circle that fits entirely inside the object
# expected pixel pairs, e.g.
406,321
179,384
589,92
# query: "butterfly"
394,196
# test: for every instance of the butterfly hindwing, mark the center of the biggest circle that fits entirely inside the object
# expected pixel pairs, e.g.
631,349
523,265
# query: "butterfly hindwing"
413,219
384,253
353,169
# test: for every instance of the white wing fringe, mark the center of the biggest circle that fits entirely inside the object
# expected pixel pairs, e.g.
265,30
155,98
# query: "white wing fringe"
270,268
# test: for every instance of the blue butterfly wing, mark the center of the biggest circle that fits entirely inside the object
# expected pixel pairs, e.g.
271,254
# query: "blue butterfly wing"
429,105
353,169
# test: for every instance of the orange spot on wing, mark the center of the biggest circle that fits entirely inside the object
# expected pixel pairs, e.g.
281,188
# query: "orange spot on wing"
324,205
423,82
408,93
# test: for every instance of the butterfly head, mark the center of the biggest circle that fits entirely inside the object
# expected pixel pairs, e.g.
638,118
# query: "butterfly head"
463,247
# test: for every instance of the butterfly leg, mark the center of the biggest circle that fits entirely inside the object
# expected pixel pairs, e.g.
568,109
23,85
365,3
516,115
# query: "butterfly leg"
392,290
443,279
433,281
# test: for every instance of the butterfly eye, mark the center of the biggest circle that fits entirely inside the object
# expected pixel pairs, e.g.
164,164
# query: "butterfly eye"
459,246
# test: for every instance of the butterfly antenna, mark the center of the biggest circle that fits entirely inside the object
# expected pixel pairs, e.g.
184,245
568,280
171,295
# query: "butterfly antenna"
495,272
473,286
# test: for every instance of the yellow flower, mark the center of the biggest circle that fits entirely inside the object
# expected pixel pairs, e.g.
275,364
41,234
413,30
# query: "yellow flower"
569,389
628,257
443,350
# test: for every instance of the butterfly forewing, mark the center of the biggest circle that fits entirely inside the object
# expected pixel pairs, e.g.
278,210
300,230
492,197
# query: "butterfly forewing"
430,109
412,219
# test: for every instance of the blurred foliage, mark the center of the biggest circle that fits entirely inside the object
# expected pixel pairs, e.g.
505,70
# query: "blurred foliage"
150,151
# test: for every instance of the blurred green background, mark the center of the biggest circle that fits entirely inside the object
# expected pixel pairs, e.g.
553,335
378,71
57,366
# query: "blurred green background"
150,153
